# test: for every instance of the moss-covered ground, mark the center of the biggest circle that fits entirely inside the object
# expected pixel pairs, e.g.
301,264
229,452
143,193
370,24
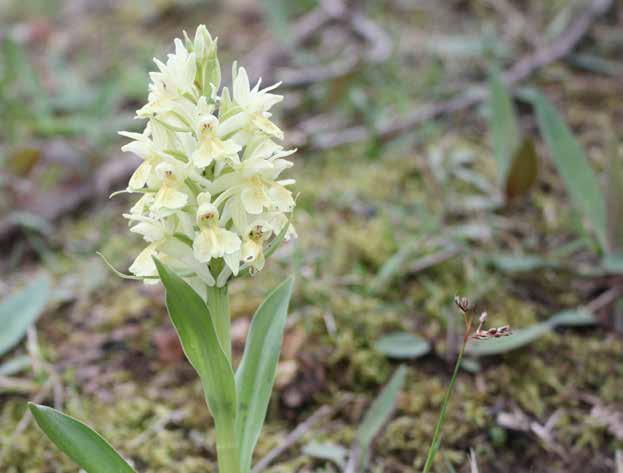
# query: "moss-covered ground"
108,342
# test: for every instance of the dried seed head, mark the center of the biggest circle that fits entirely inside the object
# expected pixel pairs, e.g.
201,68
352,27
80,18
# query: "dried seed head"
462,303
483,318
503,331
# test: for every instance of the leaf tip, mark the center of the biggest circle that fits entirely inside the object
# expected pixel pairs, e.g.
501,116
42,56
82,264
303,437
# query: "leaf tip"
162,269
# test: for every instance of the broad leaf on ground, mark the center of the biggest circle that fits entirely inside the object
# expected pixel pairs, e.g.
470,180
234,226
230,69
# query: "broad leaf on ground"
402,345
82,444
327,451
572,165
20,311
505,135
381,409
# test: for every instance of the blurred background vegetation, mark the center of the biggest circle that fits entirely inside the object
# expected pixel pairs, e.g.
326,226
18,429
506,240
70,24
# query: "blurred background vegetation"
468,147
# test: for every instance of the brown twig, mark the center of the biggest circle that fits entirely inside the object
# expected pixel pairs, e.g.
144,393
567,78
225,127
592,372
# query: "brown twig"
293,437
519,71
604,299
263,58
378,48
293,78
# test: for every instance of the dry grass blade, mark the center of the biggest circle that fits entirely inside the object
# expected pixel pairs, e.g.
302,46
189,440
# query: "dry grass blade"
473,464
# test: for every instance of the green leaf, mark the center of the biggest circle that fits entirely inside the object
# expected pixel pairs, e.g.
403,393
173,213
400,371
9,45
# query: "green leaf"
194,326
402,345
572,165
523,170
256,374
327,451
15,365
20,311
82,444
572,318
502,123
522,337
518,263
380,410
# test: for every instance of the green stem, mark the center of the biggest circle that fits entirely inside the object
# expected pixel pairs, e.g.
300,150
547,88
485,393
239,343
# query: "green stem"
218,303
227,448
434,446
226,444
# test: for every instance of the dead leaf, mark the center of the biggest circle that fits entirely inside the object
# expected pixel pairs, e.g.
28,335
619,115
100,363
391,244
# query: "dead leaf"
523,170
21,161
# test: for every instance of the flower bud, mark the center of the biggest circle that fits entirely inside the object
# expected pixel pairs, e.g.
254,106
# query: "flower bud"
204,45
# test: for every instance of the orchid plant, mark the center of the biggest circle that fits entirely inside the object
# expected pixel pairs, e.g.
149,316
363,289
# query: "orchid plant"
212,207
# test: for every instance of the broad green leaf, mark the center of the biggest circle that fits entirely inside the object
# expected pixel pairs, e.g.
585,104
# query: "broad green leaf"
572,318
523,170
20,311
502,123
402,345
572,165
256,374
522,337
82,444
327,451
380,410
194,326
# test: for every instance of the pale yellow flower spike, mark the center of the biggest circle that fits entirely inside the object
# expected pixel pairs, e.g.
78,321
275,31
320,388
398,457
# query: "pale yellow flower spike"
210,176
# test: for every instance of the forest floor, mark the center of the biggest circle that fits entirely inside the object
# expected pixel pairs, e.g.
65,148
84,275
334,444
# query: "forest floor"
390,229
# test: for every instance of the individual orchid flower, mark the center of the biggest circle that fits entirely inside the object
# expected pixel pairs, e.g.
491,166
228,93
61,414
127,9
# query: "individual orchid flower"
255,104
212,147
171,196
213,241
